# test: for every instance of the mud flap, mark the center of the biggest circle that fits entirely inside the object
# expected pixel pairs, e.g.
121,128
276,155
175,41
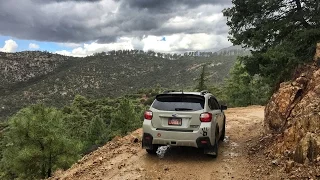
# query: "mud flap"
213,150
147,141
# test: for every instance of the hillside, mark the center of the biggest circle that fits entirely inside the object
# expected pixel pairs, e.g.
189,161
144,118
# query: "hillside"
20,67
31,77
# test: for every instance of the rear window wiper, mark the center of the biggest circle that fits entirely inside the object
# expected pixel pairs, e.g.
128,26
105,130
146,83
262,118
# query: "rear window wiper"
183,109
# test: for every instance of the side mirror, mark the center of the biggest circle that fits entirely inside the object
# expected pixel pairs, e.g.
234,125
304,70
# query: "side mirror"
223,107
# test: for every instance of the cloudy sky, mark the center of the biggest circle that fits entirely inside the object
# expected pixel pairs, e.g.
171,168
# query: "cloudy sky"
82,27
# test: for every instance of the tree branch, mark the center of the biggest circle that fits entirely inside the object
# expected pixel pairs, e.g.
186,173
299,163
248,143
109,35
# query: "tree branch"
300,14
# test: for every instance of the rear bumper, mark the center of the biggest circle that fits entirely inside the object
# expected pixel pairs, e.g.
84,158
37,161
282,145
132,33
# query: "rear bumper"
197,139
200,142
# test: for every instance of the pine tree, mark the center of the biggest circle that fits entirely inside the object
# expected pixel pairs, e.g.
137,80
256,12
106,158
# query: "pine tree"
37,144
202,79
126,118
282,34
97,133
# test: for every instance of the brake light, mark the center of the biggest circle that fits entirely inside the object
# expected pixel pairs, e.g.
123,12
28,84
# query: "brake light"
205,117
148,115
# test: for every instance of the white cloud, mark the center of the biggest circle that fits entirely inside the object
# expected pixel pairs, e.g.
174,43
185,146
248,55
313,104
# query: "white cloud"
177,43
186,42
89,49
64,52
9,46
33,46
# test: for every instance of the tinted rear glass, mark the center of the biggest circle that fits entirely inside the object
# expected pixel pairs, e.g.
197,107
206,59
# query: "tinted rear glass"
179,102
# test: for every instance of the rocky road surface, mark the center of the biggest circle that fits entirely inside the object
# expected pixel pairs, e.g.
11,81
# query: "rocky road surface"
123,158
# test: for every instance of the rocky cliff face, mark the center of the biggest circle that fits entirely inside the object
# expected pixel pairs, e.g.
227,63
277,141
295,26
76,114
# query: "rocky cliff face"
294,113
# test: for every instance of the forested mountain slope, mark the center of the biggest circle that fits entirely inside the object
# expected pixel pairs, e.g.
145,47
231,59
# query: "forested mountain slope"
33,77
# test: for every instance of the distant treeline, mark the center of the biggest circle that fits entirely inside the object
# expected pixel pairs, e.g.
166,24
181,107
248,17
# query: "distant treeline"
174,56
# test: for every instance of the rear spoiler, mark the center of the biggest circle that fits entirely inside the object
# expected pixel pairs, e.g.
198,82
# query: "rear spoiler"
179,95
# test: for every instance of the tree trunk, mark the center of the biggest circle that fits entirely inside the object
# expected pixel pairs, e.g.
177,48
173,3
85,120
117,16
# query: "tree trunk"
43,167
50,165
300,14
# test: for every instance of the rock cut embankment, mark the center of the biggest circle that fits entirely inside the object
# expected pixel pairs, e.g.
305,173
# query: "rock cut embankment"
294,112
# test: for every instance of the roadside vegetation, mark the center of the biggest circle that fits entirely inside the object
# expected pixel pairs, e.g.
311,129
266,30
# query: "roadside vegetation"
39,139
238,90
282,35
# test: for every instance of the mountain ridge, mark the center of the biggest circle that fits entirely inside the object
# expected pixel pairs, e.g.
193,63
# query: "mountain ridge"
57,79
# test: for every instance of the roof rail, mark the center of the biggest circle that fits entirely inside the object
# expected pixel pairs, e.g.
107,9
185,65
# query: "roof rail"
168,91
203,92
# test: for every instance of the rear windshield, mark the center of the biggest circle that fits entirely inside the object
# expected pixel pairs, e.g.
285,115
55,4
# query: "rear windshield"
178,102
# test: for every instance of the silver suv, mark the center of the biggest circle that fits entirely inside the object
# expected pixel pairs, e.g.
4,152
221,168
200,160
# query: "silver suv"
184,119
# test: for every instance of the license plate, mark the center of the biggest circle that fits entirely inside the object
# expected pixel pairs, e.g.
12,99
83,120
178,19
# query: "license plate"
175,121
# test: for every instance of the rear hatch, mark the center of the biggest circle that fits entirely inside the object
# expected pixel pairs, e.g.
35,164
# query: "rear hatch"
177,112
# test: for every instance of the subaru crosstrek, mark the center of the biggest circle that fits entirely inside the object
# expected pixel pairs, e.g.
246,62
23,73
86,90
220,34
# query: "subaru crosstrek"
184,119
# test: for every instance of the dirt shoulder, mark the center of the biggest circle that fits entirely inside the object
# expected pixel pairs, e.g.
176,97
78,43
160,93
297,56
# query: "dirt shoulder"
123,158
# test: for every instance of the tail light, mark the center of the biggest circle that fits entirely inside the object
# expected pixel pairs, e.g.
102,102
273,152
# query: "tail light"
205,117
148,115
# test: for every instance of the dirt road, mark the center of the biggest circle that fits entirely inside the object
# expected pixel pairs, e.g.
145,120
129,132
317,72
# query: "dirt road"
124,159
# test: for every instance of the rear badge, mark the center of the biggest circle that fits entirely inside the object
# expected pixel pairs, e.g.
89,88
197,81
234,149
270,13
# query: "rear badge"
159,135
194,126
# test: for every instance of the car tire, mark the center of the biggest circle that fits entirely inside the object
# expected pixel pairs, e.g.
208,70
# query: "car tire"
153,150
223,133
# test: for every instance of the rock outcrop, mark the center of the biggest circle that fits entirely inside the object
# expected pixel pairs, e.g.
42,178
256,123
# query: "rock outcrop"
294,112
